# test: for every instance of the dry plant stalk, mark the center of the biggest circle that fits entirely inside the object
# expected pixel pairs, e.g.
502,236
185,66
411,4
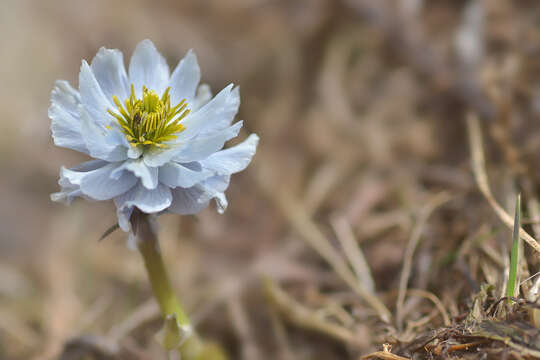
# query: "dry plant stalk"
301,222
304,317
479,170
432,204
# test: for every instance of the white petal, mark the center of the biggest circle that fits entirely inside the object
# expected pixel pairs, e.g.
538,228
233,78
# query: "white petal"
65,96
215,184
201,147
148,68
65,119
214,188
70,180
66,195
110,73
135,152
148,201
92,97
233,159
182,175
123,214
204,95
186,201
204,118
194,124
99,184
148,175
226,116
185,78
101,145
75,174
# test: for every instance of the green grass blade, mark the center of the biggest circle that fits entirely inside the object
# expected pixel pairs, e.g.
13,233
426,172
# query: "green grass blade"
512,276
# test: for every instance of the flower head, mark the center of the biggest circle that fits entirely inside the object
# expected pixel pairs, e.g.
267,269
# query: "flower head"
156,138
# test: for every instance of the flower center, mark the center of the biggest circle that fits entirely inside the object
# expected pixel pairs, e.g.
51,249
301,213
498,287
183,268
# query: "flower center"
150,121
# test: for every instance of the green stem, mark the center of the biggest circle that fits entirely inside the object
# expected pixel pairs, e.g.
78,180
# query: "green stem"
514,255
148,245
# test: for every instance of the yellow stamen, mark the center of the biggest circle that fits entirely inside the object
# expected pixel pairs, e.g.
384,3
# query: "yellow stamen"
149,121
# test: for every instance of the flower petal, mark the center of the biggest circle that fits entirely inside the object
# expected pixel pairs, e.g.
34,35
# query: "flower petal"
92,97
101,145
182,175
65,96
215,187
204,95
148,68
233,159
204,118
185,78
227,114
201,147
186,201
148,175
70,180
193,124
148,201
124,214
110,72
99,184
65,119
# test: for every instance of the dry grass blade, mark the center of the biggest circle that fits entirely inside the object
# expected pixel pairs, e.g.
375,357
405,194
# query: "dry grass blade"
300,315
301,222
432,204
385,355
353,252
479,169
435,300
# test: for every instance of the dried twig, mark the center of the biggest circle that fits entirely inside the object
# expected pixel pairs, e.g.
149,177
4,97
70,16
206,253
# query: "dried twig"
301,222
479,169
307,318
353,252
433,203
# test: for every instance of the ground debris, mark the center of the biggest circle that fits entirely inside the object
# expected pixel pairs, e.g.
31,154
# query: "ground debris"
483,340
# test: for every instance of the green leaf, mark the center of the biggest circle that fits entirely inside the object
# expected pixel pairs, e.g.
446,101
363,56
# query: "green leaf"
514,255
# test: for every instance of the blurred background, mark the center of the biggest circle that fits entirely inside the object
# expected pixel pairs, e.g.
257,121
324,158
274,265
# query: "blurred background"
360,190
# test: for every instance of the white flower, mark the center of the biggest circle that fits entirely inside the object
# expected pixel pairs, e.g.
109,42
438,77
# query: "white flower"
156,138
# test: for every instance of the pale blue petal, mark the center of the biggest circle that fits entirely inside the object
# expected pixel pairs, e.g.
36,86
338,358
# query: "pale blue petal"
65,119
204,95
148,175
193,124
110,72
214,187
148,201
76,173
66,195
186,201
184,79
227,114
204,118
92,97
148,68
135,152
201,147
123,214
99,184
66,97
70,180
233,159
182,175
100,144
